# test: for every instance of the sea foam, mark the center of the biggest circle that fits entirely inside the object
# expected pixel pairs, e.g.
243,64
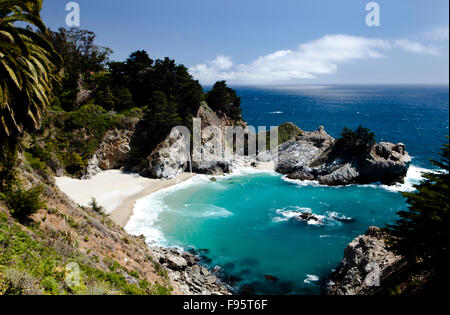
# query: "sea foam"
413,177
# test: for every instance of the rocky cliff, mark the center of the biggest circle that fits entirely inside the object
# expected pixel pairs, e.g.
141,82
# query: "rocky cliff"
366,263
112,152
168,159
314,156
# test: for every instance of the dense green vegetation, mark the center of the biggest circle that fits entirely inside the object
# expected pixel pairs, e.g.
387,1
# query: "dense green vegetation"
23,202
421,234
355,143
29,67
28,70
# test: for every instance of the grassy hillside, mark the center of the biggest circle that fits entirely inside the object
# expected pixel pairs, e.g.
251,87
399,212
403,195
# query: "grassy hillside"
35,252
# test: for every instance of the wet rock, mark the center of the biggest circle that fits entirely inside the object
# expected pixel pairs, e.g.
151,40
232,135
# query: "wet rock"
211,167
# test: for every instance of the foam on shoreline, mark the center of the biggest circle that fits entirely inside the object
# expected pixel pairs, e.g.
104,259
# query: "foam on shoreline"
413,177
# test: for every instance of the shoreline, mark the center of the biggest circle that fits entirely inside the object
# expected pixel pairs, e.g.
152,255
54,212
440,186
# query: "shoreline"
119,191
115,190
124,212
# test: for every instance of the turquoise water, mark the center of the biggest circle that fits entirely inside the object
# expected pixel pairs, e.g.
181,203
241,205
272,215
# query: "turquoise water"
244,223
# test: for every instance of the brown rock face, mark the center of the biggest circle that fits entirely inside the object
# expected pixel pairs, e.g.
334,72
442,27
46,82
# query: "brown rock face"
114,149
112,153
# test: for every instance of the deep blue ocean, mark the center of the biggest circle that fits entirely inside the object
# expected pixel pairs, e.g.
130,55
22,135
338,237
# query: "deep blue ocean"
415,115
243,223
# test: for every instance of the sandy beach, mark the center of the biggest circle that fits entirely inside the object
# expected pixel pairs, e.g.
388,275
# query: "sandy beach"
116,191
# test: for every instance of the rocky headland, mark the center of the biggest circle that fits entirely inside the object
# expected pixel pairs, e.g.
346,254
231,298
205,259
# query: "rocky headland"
316,156
302,155
366,264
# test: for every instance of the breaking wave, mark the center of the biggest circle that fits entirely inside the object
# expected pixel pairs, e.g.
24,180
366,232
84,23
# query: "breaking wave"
295,214
413,177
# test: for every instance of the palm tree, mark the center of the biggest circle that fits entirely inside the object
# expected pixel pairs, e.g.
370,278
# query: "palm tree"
28,69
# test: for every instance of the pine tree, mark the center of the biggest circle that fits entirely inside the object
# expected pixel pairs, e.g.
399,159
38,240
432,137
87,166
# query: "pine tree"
421,233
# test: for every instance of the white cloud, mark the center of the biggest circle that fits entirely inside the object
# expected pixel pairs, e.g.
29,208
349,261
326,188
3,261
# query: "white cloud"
439,33
213,70
416,47
318,57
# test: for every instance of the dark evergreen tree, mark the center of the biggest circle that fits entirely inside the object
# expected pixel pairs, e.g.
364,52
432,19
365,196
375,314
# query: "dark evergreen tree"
422,233
223,99
355,143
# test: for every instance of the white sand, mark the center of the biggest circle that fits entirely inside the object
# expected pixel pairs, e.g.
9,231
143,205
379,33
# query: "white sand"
116,191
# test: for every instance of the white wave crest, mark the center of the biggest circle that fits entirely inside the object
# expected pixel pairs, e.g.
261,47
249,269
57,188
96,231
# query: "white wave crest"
311,278
294,213
198,211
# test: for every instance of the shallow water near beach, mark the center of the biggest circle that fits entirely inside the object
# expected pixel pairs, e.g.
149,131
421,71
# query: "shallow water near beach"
245,223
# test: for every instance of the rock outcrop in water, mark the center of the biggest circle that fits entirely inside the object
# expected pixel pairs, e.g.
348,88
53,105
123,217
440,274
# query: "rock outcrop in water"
315,156
367,261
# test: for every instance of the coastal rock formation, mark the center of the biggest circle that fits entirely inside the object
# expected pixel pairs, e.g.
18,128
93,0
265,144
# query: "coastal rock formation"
314,156
170,157
191,278
211,167
365,263
294,157
111,153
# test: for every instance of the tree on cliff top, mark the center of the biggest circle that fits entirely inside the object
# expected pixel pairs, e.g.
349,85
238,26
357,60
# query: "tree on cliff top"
421,233
358,142
223,99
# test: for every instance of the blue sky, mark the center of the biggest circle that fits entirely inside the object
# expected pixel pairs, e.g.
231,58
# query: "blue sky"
277,41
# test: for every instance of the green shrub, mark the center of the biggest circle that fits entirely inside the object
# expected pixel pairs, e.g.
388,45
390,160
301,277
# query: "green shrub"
23,202
74,163
51,286
96,207
35,162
